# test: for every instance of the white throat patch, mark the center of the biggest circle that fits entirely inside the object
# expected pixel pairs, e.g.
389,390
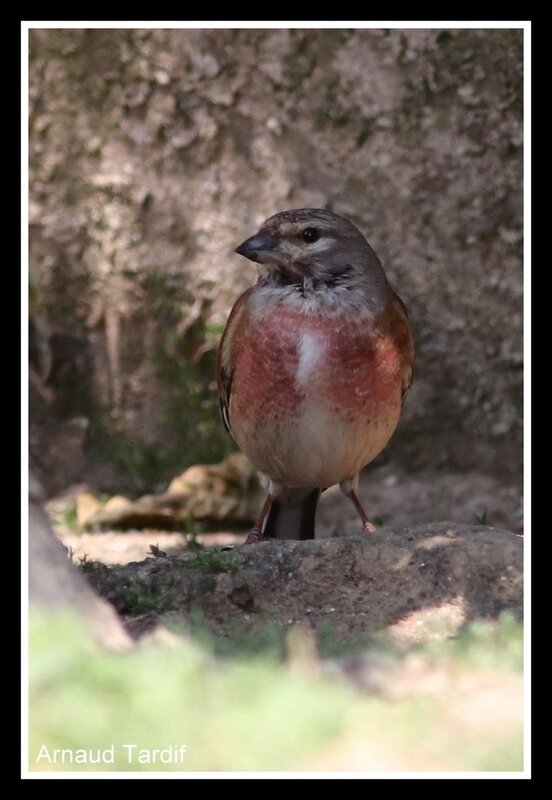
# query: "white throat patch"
311,350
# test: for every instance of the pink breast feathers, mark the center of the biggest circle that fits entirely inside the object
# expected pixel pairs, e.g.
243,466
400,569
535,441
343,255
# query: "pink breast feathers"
351,368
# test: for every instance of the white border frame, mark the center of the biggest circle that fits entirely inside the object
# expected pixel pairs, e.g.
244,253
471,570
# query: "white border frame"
305,24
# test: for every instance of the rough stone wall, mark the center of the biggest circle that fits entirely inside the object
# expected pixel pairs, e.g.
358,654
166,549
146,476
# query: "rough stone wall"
153,153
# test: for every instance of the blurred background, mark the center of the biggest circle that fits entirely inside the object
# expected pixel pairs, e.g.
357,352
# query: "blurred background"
153,153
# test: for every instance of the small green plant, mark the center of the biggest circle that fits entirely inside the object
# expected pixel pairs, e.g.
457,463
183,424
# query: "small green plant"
138,597
213,560
85,565
69,516
192,528
481,519
156,552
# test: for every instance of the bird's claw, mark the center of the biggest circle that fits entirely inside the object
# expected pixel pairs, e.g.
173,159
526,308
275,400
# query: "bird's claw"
255,536
367,527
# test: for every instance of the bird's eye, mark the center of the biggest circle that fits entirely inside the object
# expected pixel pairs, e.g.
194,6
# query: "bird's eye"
310,235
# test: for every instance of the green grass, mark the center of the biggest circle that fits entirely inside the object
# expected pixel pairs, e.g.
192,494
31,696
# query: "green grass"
250,711
249,716
485,645
212,560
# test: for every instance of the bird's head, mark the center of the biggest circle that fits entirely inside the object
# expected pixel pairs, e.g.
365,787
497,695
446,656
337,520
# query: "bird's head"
312,243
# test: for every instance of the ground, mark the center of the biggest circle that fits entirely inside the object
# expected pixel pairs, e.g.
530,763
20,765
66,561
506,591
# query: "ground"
396,651
411,577
392,497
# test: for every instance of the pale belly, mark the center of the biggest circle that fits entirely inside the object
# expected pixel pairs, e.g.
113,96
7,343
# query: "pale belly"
312,410
316,446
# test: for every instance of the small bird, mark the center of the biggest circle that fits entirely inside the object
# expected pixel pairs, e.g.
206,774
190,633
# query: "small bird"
313,366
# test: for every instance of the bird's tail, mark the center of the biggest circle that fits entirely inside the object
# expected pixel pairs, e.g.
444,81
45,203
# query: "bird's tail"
293,520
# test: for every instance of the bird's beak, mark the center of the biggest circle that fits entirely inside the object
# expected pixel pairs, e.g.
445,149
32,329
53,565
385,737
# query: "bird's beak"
260,248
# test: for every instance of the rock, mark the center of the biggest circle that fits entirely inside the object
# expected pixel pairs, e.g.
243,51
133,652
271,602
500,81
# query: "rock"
417,583
390,120
229,492
55,583
116,503
149,511
108,514
86,506
57,451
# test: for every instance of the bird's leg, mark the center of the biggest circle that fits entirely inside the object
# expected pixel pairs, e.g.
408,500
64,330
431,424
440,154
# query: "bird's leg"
367,526
349,488
256,532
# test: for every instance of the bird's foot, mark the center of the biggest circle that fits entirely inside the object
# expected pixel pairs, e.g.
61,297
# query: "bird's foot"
256,532
367,526
255,535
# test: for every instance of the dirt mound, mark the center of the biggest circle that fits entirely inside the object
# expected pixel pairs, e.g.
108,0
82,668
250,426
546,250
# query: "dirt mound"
417,583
